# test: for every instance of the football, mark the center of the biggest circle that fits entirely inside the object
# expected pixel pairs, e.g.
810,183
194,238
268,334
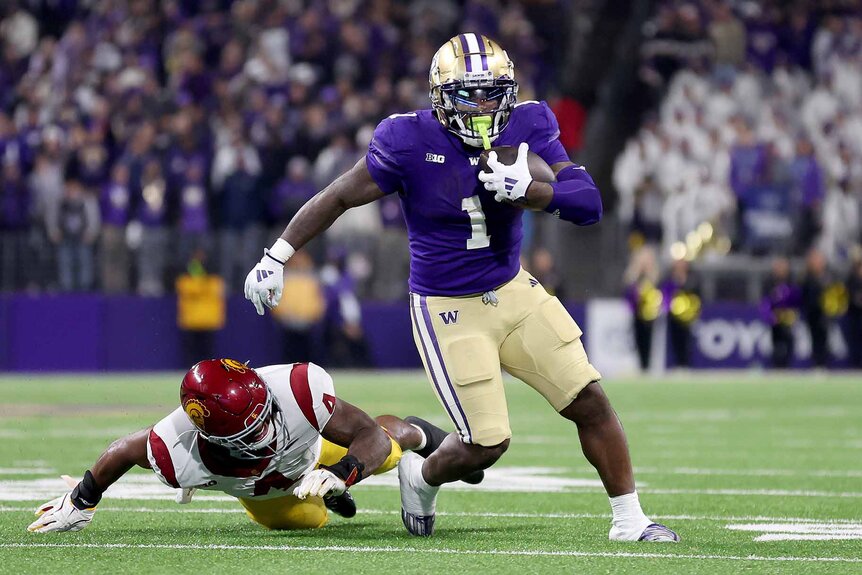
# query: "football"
539,168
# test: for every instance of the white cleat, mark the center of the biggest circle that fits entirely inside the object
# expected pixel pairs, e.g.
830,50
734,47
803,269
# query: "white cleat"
418,499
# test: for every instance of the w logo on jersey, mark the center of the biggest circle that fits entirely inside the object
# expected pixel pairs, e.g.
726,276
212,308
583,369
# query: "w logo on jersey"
474,161
263,274
449,316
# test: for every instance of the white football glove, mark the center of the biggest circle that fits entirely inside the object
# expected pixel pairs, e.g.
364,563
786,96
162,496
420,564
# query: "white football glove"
264,284
61,515
320,483
508,182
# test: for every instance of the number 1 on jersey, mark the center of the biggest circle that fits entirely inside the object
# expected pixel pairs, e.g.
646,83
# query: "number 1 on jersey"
479,237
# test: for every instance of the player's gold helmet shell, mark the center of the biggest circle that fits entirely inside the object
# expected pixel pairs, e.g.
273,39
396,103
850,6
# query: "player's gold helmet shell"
471,77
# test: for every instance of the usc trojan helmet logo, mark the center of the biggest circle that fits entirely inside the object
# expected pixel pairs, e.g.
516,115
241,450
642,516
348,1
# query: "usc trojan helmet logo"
197,412
234,365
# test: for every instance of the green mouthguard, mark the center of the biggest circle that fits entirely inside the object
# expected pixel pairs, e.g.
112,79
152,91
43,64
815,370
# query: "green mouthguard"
481,125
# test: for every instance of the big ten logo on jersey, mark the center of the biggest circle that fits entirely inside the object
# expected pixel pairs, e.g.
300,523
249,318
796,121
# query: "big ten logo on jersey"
435,158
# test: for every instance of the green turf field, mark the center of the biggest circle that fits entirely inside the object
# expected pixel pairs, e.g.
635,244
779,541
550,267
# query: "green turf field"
758,474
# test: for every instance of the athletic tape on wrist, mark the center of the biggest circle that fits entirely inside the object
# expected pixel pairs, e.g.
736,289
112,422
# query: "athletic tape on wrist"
348,469
87,493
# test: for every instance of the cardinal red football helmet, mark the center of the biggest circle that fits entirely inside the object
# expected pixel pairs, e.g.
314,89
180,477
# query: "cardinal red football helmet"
231,406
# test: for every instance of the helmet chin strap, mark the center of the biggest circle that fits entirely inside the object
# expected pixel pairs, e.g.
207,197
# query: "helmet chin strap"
481,125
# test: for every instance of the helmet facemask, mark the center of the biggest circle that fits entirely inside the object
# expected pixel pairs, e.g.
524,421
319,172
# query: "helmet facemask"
265,435
475,111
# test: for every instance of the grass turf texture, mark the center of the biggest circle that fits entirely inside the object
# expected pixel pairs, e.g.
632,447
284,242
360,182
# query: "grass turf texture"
709,452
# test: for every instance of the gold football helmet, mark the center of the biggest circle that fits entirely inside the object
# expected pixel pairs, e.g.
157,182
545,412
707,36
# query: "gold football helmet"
473,88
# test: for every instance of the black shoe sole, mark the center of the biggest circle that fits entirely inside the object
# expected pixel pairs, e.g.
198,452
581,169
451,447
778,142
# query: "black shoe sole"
343,504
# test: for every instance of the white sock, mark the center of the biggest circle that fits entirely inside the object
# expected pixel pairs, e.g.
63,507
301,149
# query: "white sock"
629,519
424,441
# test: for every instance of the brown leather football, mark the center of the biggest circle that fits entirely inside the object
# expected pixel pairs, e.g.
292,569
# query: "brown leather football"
539,168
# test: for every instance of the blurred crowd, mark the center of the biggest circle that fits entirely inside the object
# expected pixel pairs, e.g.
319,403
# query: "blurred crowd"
135,134
755,144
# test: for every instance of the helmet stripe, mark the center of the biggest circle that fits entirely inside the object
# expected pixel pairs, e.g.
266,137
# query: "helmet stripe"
466,49
475,60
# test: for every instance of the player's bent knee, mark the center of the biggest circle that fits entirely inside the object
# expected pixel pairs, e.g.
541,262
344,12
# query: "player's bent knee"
287,513
492,439
392,460
591,405
486,456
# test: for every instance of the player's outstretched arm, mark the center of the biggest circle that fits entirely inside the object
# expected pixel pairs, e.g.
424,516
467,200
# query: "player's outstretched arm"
353,188
74,510
367,444
356,187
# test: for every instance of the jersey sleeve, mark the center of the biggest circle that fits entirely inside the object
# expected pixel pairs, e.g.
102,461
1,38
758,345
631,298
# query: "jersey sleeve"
158,451
383,157
546,142
314,392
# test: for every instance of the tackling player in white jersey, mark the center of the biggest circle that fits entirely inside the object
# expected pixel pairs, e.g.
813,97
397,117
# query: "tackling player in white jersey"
277,438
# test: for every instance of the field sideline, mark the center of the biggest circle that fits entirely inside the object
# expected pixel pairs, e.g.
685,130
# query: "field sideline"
757,472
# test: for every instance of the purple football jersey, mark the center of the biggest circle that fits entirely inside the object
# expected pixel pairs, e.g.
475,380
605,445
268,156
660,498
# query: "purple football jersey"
461,240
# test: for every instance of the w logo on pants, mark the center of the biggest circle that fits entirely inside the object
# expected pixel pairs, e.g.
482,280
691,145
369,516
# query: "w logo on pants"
449,316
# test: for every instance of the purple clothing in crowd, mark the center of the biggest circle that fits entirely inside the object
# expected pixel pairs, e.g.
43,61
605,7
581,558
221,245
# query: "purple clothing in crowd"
115,203
748,167
807,180
780,297
194,209
461,240
14,205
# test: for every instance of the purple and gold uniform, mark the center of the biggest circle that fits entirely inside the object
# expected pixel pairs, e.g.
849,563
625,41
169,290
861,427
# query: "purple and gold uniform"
461,240
473,308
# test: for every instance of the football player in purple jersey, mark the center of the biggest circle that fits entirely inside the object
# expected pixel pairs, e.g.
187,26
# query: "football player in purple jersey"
474,310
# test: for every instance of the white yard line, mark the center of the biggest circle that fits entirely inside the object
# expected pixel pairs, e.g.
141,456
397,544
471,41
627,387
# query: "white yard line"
431,551
806,537
487,514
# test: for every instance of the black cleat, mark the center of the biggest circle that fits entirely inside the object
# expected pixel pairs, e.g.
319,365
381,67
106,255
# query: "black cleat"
435,436
343,504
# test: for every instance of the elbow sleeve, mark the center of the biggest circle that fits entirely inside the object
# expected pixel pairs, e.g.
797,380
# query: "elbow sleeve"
576,197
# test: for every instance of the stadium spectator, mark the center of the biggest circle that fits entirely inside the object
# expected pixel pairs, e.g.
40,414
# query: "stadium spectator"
14,225
344,339
681,302
544,269
814,286
73,226
807,188
392,257
780,309
842,226
241,211
854,313
200,308
728,36
301,310
153,220
644,298
114,255
193,219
